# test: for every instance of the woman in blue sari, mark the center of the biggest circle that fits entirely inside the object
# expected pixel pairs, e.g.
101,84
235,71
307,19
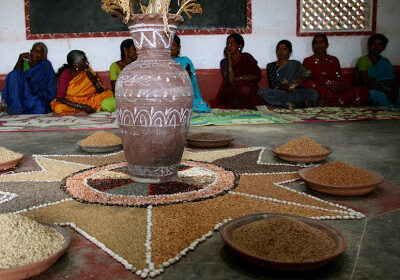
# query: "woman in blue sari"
376,73
32,85
285,79
199,105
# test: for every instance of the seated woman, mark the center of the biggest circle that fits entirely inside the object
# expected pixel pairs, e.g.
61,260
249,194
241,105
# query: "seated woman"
32,85
78,89
128,55
376,72
241,75
327,78
199,105
285,79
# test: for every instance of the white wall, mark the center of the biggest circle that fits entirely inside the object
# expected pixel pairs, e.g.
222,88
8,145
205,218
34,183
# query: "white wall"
273,20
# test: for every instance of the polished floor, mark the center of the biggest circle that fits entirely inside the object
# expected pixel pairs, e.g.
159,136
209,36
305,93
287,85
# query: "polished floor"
373,243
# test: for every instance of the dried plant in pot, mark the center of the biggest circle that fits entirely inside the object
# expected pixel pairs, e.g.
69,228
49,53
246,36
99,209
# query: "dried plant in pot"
153,94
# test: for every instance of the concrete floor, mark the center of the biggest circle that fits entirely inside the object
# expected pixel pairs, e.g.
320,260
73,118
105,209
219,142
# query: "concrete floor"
373,243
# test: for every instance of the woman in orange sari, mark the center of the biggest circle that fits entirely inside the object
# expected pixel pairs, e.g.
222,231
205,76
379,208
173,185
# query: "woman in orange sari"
79,88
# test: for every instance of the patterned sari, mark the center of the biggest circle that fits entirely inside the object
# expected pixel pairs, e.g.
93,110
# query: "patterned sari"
81,90
285,76
30,92
239,94
326,73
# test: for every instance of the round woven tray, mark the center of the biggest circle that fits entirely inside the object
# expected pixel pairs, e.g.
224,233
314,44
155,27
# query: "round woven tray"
209,140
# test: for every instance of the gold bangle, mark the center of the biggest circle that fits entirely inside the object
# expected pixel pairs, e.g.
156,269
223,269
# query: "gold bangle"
229,69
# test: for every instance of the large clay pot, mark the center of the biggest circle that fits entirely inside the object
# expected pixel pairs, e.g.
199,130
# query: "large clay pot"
154,102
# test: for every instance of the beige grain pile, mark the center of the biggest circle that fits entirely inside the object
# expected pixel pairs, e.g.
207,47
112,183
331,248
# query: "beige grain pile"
8,155
100,139
284,239
302,147
24,241
338,173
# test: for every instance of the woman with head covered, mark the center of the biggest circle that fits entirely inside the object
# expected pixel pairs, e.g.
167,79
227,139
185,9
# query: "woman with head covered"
79,88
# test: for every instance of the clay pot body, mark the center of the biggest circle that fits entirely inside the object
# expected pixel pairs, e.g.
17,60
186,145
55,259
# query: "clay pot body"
154,101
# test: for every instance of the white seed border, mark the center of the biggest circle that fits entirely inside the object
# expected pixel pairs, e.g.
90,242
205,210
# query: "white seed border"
98,244
7,196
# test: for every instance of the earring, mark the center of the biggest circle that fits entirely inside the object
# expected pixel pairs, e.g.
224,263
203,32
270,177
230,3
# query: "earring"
240,49
76,69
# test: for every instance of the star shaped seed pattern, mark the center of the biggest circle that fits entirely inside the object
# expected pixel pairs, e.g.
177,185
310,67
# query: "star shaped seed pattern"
149,239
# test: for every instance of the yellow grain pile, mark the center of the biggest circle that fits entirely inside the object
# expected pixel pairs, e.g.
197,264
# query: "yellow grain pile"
101,139
8,155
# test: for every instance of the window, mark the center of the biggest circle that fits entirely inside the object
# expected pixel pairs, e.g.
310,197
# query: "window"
336,17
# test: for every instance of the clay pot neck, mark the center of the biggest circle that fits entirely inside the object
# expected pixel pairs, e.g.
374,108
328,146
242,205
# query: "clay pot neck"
147,31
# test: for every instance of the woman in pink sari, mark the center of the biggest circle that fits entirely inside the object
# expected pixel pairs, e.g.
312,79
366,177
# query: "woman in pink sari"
241,75
327,78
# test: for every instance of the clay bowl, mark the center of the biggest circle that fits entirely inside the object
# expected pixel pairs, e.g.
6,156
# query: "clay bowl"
99,149
303,159
10,164
209,140
26,271
228,228
340,190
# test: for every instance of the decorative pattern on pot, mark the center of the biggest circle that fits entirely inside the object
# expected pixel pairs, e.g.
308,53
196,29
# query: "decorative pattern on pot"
154,102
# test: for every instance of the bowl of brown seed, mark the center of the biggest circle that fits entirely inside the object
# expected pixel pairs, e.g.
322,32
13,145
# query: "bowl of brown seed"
31,247
9,159
209,140
101,142
340,178
303,150
283,242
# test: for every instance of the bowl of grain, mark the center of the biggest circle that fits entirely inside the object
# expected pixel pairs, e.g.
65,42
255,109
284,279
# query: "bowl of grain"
28,247
9,159
283,242
340,178
101,142
209,140
303,150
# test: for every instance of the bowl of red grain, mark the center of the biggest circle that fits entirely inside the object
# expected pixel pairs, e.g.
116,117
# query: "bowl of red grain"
302,150
340,178
283,242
